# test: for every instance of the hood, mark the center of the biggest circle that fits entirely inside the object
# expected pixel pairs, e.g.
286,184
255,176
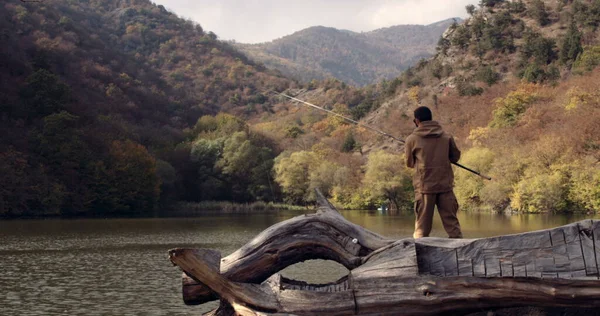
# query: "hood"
429,129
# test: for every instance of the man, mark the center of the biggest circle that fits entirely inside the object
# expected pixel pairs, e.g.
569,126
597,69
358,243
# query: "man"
430,151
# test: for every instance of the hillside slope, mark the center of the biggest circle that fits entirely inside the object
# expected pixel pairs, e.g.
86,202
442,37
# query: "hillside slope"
516,84
355,58
95,97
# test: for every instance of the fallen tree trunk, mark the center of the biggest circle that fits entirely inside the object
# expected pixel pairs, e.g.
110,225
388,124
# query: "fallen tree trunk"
557,267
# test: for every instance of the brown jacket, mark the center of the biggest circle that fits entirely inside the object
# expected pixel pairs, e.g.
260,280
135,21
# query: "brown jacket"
430,151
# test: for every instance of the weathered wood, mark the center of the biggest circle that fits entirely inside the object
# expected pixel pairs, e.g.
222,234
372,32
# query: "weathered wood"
427,276
323,235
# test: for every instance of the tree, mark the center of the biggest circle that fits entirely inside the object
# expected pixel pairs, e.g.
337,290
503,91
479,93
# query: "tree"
136,185
541,49
490,3
488,75
247,167
537,11
571,45
509,109
349,144
209,184
471,9
386,178
44,94
468,189
292,172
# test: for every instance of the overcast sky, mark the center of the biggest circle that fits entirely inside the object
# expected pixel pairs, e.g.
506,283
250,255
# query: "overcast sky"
255,21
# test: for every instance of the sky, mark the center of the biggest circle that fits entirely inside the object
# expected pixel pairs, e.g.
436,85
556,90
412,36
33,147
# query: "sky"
256,21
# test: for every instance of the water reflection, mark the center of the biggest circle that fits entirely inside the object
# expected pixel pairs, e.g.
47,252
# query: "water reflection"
120,266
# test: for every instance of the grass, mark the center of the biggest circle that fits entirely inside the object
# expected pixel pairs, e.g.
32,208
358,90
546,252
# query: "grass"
223,207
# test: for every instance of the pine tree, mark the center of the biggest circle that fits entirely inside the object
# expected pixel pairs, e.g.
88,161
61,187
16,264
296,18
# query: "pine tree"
571,45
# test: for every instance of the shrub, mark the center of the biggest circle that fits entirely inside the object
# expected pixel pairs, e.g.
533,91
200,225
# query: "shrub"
349,144
585,185
488,75
537,11
541,191
466,89
571,45
509,109
468,188
588,59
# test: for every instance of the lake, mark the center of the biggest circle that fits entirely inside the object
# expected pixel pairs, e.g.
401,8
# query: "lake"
120,266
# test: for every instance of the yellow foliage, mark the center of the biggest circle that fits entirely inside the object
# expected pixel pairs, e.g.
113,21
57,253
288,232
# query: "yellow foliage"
468,188
413,95
336,121
585,185
509,109
478,134
577,98
323,151
541,191
387,178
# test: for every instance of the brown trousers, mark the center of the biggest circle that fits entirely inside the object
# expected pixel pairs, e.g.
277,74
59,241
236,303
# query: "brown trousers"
447,207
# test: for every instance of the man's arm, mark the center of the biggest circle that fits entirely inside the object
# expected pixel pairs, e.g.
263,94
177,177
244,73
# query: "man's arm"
408,152
454,154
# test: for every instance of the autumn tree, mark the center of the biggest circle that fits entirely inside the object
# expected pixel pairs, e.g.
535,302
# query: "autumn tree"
387,179
136,184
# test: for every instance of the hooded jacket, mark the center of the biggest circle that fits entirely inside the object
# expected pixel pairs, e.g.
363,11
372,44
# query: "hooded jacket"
431,151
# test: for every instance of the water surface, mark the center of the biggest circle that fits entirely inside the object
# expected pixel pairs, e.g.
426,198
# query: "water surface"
120,266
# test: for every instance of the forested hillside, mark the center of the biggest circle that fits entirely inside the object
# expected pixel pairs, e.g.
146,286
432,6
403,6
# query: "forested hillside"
120,107
517,84
355,58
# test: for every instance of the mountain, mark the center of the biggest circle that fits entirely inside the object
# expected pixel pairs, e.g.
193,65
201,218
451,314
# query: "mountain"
355,58
120,108
98,100
516,84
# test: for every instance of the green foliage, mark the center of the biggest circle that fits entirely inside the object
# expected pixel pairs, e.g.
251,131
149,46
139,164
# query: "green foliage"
292,172
490,3
471,9
206,123
534,73
509,109
461,37
517,6
387,179
487,75
588,59
293,131
361,110
585,185
587,13
247,166
538,48
44,94
541,191
537,11
468,189
136,184
443,45
571,44
349,144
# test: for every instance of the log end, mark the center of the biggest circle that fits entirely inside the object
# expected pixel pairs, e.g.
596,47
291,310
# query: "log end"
194,292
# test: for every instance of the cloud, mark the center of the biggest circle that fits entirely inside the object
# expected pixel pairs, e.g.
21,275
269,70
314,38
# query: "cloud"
253,21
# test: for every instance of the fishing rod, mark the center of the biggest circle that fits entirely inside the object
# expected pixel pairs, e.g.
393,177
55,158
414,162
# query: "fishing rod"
380,132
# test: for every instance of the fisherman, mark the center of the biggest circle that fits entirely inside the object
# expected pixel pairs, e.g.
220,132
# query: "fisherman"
431,151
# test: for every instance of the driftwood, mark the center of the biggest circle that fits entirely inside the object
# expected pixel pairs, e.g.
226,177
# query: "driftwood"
557,267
